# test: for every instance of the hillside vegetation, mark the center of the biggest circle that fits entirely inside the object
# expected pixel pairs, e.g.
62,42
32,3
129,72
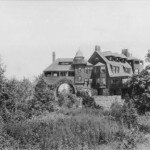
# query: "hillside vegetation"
31,118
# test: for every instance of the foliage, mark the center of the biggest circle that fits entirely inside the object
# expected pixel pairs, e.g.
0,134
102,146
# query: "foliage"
125,114
29,120
43,98
68,100
139,87
58,131
18,92
87,100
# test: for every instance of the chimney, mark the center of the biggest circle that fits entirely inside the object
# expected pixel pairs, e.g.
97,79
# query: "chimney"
53,57
97,48
126,52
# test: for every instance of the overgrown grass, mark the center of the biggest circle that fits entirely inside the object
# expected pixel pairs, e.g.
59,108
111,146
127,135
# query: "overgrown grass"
73,129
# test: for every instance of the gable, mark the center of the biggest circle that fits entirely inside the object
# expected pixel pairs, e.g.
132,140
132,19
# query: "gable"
97,57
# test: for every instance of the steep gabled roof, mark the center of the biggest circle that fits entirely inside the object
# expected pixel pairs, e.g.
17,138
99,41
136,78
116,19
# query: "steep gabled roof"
56,67
113,63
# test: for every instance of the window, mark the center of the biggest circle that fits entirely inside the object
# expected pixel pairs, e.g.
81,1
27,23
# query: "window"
137,62
87,70
95,69
141,62
79,69
136,71
114,81
103,70
98,81
113,68
110,58
124,80
55,74
71,74
65,63
86,82
117,69
103,81
79,79
127,70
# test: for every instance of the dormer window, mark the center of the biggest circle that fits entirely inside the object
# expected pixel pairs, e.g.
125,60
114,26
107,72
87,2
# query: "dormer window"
65,63
123,60
117,59
110,58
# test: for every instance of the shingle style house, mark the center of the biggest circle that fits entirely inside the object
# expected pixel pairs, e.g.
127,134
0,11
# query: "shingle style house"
104,71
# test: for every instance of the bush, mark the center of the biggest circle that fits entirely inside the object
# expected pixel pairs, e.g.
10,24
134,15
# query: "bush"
125,114
68,100
43,98
87,100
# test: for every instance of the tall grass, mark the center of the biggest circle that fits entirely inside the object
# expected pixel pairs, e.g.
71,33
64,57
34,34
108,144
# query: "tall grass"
65,132
77,129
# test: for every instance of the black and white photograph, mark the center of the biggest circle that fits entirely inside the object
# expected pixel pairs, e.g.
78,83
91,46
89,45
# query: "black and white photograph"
74,74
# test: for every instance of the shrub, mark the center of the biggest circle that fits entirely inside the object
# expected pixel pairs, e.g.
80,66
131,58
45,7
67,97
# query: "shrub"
68,100
87,100
62,131
125,114
43,98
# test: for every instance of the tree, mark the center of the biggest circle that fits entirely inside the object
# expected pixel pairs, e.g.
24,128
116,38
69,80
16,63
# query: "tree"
43,98
139,86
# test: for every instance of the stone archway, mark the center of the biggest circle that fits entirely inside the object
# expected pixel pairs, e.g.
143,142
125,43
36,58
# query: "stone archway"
65,85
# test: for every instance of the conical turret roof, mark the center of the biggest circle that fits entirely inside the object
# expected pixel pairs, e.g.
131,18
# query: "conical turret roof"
79,54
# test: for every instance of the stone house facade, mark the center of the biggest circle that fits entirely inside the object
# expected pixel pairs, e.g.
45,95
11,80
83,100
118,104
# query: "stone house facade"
104,71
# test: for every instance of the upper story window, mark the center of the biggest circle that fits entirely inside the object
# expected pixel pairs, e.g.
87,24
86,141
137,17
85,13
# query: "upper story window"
136,71
87,70
127,70
114,81
65,63
79,69
55,74
110,58
79,79
63,73
136,62
103,81
103,70
123,60
130,62
115,69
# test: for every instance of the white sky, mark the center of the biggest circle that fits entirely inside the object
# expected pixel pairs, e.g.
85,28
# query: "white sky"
31,30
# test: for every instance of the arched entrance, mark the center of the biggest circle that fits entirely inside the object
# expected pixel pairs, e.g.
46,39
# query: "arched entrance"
64,87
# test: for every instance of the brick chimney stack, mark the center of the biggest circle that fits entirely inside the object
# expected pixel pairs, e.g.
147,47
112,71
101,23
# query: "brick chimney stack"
97,48
53,57
126,52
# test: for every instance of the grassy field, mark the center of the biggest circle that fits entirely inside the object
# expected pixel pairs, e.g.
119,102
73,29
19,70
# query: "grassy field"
76,129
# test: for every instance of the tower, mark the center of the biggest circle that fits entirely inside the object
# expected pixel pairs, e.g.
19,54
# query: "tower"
79,65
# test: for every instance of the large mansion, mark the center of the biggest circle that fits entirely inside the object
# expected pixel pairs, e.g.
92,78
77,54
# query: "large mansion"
104,71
